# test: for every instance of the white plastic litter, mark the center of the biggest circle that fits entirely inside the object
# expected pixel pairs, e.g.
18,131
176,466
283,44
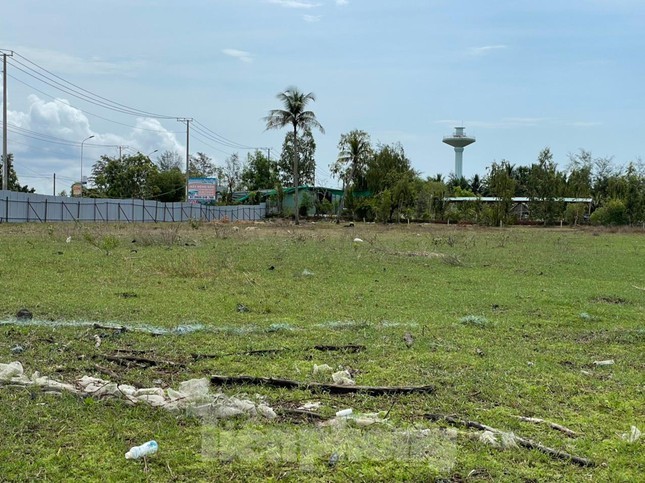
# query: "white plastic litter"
608,362
633,436
145,449
320,369
311,406
344,413
358,240
193,395
343,378
489,438
13,369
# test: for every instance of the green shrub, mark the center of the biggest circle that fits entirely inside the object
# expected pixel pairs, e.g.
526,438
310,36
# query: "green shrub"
612,213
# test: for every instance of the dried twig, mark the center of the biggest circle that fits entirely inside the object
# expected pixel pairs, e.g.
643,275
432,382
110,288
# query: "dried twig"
258,352
565,430
343,348
525,443
332,388
121,328
125,360
106,371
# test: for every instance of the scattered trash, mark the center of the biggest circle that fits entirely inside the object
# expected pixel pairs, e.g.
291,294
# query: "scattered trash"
343,378
633,436
17,349
344,413
408,339
319,369
193,395
97,338
271,267
489,438
358,240
145,449
608,362
586,316
307,273
242,308
310,406
24,314
333,460
480,352
530,363
68,239
11,370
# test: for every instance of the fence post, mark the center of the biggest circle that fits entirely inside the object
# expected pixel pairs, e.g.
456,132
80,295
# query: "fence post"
45,210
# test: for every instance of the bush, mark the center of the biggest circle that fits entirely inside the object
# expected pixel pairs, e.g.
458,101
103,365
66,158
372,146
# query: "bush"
612,213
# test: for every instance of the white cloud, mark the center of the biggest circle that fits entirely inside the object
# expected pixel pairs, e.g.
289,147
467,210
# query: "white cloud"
294,3
486,49
46,139
342,2
238,54
312,18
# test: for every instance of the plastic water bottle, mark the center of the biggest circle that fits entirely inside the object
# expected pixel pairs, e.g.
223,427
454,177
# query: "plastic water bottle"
145,449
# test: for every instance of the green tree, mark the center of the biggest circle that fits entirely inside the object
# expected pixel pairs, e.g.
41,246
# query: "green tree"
634,195
202,166
231,176
127,177
501,184
390,170
12,179
355,150
260,172
167,186
305,159
579,181
169,160
295,115
545,188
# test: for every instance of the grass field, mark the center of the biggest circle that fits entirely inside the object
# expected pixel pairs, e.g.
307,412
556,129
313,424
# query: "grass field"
505,323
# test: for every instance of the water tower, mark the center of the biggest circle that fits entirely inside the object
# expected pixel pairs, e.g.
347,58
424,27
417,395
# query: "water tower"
459,141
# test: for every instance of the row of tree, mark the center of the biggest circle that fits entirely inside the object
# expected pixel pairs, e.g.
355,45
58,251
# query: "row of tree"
379,182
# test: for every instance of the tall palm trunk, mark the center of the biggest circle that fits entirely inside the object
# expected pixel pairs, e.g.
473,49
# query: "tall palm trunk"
295,174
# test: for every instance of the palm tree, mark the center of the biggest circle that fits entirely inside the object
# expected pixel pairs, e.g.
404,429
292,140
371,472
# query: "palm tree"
355,151
294,115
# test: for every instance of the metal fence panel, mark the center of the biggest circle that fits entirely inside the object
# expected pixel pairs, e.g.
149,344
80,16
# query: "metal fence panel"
16,207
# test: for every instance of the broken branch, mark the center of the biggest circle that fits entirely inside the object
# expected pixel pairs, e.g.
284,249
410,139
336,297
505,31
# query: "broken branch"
343,348
332,388
525,443
558,427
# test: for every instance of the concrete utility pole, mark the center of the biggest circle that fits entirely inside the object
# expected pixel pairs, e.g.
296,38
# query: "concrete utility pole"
5,163
187,121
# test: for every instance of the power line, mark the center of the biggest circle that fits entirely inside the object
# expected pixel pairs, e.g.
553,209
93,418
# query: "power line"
84,111
96,98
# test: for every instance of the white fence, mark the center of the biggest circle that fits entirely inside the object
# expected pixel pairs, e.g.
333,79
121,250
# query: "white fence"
18,207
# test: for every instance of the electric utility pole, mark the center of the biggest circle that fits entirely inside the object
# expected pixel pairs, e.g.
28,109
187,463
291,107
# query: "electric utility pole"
187,121
5,161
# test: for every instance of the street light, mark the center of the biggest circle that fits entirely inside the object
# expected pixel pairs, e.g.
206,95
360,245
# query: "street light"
82,142
150,154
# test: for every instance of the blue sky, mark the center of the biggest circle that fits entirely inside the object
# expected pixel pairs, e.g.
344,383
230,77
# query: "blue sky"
520,75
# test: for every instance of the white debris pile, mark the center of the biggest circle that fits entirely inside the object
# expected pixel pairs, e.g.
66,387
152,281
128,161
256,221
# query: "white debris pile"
343,378
193,394
498,439
633,436
348,417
